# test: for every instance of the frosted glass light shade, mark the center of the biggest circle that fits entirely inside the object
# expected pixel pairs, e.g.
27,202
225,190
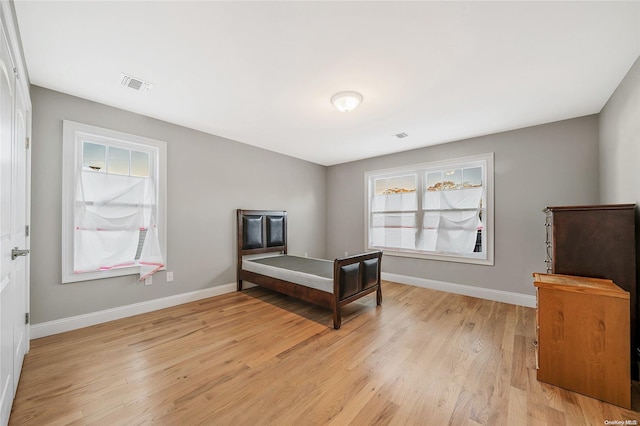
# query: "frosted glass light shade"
346,101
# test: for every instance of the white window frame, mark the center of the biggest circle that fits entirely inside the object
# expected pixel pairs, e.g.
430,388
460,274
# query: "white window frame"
486,258
73,135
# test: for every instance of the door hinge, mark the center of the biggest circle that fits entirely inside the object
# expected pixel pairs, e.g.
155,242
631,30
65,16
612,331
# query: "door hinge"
27,143
26,230
26,318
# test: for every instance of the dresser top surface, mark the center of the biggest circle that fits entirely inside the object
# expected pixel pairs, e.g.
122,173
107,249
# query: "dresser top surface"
592,207
575,284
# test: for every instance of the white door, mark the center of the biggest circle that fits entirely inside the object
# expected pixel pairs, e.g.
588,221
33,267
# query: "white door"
13,219
19,235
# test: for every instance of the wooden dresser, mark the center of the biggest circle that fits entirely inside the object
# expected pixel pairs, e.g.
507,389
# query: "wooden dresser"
582,328
597,241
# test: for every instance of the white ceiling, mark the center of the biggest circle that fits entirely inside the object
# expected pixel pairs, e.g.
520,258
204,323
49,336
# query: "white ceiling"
262,73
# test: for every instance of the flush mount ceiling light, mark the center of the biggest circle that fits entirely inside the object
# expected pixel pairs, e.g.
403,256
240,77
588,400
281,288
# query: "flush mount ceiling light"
346,101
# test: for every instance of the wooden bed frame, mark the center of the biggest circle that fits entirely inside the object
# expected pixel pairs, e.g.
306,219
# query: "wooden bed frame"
265,231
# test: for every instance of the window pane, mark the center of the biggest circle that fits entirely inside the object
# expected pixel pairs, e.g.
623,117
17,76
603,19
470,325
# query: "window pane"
139,164
478,248
396,185
433,179
443,181
93,157
453,179
396,193
118,161
472,178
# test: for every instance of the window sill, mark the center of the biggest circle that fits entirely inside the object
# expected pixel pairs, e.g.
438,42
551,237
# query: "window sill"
88,276
435,256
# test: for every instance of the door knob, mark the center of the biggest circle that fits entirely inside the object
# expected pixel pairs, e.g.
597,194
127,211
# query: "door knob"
15,253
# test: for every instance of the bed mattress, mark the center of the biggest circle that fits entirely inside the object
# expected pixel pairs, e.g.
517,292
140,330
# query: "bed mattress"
309,272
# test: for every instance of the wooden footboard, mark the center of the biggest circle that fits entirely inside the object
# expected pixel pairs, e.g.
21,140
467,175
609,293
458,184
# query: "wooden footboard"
354,277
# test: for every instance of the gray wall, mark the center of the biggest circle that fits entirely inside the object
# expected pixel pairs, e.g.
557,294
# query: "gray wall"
535,167
208,178
620,147
620,142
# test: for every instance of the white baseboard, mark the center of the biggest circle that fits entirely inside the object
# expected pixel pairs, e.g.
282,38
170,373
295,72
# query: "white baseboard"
467,290
93,318
79,321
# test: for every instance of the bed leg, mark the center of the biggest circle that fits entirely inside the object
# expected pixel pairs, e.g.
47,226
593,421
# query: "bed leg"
379,294
239,285
337,317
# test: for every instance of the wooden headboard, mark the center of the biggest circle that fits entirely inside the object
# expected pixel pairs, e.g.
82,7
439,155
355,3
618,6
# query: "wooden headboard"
261,231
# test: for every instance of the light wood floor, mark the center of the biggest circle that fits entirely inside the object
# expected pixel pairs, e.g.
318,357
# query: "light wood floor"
256,357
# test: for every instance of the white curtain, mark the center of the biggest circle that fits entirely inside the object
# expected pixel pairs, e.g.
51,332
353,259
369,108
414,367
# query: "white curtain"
468,198
457,234
407,201
451,230
110,213
396,230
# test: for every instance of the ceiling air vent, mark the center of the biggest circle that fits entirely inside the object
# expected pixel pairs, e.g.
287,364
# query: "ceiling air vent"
135,83
401,135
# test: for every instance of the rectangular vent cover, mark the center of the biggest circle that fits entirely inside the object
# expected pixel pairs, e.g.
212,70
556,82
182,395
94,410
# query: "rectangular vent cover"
135,83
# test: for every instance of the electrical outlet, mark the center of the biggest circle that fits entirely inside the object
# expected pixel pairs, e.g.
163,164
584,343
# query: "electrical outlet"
169,276
305,254
148,280
346,254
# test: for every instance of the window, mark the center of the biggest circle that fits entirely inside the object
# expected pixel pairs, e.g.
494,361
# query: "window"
441,210
113,204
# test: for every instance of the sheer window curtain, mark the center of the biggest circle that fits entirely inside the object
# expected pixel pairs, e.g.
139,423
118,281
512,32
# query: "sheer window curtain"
110,213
